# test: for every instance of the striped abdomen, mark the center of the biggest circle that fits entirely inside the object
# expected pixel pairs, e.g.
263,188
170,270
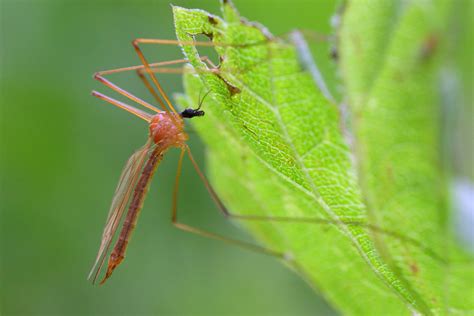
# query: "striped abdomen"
136,204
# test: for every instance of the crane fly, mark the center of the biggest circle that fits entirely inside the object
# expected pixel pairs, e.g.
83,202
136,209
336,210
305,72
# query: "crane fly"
166,131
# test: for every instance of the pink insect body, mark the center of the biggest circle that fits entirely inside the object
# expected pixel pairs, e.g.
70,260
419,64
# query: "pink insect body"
166,130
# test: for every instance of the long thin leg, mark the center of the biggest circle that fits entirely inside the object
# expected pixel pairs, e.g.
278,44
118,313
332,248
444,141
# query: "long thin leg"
148,67
145,63
204,233
223,209
100,77
149,86
123,92
136,44
141,67
307,33
137,112
155,67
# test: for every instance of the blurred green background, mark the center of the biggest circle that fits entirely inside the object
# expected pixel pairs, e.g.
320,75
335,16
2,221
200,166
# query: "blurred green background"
62,152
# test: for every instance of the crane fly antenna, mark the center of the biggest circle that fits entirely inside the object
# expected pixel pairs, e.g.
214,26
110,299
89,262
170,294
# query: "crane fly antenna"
203,98
190,113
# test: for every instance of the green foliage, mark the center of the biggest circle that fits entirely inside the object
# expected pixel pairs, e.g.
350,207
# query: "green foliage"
392,75
276,148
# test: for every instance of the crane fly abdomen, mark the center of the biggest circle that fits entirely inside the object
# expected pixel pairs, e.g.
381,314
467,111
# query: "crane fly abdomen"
167,130
136,204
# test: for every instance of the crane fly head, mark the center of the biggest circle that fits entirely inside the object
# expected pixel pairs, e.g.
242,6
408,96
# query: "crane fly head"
190,113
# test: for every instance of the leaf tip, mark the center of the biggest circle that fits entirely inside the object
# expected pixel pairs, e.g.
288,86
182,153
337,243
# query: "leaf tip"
175,8
229,11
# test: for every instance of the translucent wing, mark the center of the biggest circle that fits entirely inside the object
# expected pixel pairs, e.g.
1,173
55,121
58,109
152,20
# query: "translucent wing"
123,193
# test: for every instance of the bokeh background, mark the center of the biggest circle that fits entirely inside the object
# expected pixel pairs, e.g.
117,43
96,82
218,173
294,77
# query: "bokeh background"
62,152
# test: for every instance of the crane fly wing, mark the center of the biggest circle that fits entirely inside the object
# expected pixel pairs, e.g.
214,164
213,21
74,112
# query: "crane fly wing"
122,195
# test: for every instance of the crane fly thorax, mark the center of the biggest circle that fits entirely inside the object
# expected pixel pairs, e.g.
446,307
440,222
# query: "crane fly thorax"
167,129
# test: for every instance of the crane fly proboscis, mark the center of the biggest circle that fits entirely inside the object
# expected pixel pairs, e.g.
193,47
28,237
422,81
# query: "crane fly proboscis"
166,130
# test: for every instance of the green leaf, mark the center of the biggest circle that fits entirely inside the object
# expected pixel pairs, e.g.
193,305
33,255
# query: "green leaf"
398,126
276,148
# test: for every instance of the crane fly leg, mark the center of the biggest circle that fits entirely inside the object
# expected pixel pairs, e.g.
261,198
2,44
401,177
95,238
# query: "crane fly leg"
157,68
306,33
136,44
141,55
149,68
309,220
137,112
141,67
204,233
100,77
